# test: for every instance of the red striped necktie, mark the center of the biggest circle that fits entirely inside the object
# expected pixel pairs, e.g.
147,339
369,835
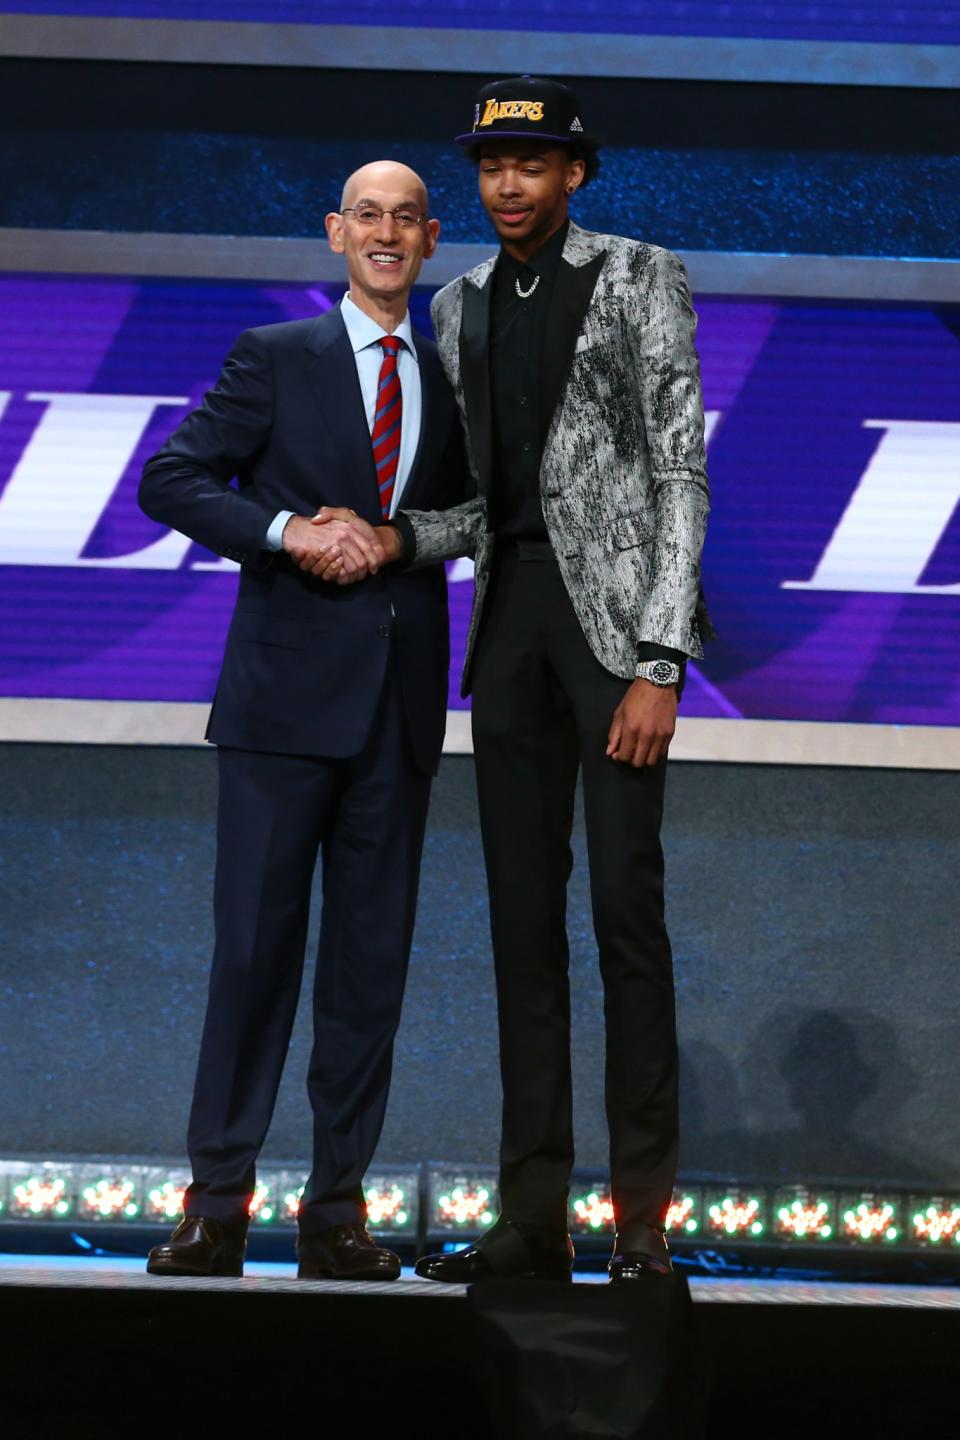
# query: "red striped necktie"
387,420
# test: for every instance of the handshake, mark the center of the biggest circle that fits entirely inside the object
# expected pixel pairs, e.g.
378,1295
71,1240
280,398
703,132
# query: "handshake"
337,546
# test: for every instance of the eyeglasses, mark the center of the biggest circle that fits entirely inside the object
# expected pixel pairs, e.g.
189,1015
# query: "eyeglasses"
367,213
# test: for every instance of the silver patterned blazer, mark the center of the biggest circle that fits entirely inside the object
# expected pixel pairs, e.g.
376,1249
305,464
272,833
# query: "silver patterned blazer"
623,479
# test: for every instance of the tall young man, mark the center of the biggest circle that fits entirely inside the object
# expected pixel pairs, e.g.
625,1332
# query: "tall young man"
572,358
329,718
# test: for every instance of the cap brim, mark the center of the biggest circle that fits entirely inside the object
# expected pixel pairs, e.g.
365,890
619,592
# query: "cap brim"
474,139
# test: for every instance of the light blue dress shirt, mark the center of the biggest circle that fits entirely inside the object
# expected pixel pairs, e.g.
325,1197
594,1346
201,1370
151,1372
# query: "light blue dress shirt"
364,335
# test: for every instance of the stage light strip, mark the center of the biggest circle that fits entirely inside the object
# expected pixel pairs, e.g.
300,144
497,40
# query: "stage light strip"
443,1203
138,1191
411,48
912,279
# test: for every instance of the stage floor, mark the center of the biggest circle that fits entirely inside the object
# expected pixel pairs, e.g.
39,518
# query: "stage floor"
81,1272
89,1338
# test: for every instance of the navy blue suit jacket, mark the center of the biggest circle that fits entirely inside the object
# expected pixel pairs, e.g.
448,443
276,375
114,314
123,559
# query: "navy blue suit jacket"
305,660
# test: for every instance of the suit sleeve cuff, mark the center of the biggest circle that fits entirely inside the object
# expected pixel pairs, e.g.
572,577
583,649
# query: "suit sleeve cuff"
274,536
646,650
407,535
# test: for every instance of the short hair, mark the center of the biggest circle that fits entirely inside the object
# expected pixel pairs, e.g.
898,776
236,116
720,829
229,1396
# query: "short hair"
585,148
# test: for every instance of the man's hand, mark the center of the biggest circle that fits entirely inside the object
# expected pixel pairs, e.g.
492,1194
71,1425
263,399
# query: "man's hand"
643,724
341,550
386,538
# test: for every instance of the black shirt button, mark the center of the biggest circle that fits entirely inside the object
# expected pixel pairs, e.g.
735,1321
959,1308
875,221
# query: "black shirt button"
523,399
527,447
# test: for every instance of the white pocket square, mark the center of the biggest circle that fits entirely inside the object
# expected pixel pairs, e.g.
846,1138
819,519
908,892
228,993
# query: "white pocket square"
583,343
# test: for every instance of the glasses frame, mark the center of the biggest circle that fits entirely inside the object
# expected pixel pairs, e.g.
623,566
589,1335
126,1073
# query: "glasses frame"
352,210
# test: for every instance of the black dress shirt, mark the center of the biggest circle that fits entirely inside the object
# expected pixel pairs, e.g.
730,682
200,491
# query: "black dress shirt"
520,422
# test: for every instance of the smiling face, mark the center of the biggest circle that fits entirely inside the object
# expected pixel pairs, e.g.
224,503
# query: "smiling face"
525,190
383,260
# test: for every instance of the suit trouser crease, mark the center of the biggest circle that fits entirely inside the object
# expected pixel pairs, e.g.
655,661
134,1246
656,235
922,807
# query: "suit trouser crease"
366,816
542,709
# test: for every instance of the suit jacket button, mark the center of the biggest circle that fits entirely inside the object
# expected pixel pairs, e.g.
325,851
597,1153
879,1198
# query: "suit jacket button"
384,631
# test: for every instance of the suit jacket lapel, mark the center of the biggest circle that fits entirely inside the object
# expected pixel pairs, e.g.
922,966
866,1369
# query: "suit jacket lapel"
475,374
430,379
572,293
333,380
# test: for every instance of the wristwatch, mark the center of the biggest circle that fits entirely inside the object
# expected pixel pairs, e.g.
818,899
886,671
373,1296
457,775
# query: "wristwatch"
658,672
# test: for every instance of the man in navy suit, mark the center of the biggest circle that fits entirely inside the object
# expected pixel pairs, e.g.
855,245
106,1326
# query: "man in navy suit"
329,717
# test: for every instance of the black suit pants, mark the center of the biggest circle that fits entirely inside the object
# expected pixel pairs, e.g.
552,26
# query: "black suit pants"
366,817
542,707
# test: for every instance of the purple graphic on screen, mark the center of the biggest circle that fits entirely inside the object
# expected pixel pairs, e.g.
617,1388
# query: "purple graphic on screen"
917,22
833,560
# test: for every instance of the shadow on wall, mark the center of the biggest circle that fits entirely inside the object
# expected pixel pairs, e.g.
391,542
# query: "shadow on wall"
803,1103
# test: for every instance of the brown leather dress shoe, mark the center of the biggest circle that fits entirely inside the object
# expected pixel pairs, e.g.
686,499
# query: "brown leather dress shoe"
345,1252
200,1246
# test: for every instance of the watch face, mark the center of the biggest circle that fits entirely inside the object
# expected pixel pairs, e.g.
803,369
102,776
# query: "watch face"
662,673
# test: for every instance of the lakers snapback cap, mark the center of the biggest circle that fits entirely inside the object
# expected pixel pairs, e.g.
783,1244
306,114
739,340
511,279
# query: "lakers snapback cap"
525,108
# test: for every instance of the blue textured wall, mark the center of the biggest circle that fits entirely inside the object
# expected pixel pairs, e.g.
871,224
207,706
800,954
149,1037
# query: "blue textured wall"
813,914
835,203
257,151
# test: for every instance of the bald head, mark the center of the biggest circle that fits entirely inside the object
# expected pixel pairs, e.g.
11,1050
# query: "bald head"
383,229
385,175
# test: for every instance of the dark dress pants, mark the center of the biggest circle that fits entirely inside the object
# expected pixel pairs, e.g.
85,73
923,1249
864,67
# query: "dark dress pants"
542,707
366,817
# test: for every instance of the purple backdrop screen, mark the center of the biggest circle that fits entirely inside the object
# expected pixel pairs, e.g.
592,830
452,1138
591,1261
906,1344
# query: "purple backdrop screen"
833,560
890,21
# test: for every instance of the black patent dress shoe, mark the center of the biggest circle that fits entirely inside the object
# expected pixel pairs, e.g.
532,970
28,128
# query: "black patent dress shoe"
345,1252
635,1265
200,1246
508,1252
637,1257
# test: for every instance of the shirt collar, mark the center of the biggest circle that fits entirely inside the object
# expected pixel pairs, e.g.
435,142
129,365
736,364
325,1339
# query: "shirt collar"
544,262
363,332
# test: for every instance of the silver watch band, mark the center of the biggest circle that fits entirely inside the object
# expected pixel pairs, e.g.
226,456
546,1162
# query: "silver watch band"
658,672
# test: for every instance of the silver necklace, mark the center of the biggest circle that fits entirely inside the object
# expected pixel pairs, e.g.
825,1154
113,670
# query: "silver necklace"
525,294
